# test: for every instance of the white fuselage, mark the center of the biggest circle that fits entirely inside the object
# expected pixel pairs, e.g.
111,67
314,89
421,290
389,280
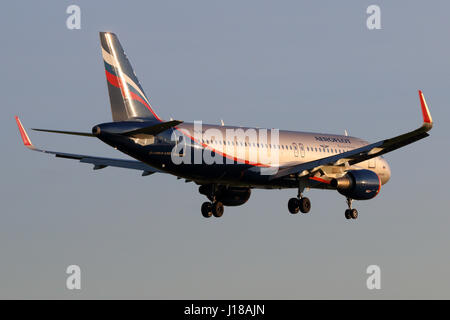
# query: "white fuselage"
255,145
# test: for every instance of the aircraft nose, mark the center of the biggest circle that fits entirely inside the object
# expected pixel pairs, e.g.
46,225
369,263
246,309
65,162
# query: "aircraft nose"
386,172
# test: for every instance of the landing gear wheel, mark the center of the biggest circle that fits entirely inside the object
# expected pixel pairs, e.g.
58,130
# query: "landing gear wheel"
217,209
348,214
294,205
305,205
207,209
351,213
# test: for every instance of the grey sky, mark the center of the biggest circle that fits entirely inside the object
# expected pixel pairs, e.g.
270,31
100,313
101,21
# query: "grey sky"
297,65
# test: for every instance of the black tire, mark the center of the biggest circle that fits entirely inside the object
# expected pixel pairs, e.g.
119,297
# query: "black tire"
207,209
348,214
293,205
217,209
305,205
354,213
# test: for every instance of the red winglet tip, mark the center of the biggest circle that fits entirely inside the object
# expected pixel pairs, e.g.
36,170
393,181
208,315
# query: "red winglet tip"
26,140
425,111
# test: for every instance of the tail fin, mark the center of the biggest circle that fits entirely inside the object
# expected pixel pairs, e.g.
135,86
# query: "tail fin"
126,95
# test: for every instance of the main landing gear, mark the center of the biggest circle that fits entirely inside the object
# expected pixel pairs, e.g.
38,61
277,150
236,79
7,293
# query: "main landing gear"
295,204
350,213
300,203
213,208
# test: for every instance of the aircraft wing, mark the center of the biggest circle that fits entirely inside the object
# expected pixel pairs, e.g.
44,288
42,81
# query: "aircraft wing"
364,153
98,162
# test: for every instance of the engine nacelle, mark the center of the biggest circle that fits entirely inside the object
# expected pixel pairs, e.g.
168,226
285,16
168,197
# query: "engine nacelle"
358,184
229,196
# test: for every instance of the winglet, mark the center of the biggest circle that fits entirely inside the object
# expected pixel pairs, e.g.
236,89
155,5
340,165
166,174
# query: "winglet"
26,140
427,120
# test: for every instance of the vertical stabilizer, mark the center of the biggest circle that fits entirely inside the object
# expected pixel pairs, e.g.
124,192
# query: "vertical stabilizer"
126,95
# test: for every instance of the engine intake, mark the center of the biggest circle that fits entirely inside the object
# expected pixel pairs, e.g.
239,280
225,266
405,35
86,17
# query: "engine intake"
358,184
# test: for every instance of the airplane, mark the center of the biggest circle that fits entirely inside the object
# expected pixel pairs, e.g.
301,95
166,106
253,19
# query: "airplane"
350,165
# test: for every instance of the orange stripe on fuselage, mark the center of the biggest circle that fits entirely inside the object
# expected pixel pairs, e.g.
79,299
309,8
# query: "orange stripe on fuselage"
320,180
224,154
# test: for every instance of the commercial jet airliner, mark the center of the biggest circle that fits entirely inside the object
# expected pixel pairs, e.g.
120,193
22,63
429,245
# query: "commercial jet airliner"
299,160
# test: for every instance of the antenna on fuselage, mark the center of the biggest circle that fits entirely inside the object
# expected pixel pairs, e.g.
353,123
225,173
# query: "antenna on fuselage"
345,132
221,122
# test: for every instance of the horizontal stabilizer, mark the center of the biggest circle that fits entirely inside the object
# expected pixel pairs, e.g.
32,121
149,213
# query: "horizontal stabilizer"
85,134
98,162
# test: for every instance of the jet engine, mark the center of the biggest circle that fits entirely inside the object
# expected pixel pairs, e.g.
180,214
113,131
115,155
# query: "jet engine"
358,184
229,196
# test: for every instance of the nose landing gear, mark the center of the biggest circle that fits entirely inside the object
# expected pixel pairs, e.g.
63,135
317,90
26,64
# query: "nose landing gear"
350,213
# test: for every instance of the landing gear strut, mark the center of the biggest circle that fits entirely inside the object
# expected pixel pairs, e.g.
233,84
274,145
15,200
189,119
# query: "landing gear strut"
300,203
350,213
214,208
